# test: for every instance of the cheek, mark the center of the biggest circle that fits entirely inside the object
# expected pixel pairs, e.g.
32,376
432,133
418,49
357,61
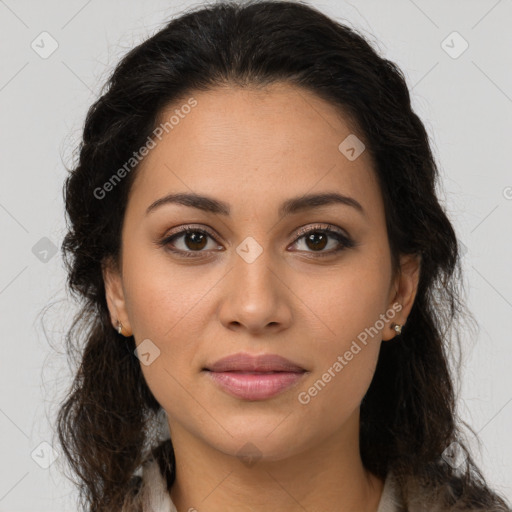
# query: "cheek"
346,352
348,324
165,309
165,305
351,301
161,295
335,392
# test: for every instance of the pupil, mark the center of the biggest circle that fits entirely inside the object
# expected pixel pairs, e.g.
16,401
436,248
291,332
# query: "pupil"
311,238
192,242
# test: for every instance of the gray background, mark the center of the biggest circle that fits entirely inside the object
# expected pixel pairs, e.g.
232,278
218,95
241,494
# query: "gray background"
465,100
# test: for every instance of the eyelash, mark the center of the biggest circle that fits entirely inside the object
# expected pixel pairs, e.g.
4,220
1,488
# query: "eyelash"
346,243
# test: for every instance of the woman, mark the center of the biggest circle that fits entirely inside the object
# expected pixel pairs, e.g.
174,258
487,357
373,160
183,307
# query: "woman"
267,272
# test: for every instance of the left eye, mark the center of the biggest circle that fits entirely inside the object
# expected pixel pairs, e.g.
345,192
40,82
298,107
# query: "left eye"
316,238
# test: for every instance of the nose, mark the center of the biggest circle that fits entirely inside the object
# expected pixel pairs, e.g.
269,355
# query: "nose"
255,295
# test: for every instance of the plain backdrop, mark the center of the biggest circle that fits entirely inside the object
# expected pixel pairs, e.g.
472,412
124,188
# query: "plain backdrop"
55,56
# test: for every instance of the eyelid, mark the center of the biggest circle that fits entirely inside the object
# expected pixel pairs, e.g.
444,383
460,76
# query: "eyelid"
344,240
304,230
180,230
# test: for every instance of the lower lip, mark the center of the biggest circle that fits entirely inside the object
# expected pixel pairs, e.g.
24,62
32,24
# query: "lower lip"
255,386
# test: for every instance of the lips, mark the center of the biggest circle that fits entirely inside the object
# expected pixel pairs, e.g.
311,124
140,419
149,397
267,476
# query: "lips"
255,377
245,363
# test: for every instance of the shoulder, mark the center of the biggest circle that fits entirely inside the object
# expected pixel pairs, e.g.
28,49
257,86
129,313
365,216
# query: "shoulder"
154,489
452,495
152,494
398,495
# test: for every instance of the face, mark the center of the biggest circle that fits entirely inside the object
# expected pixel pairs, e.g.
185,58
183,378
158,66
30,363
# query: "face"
246,279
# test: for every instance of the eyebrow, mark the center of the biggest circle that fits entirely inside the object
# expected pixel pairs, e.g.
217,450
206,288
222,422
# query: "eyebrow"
288,207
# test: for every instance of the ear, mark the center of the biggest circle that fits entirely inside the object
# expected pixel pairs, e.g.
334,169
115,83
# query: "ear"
114,294
403,291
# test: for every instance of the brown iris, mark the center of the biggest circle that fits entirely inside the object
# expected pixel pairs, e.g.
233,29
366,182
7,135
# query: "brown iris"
195,240
318,240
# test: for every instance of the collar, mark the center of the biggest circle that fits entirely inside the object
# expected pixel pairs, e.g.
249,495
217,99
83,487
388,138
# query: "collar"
155,497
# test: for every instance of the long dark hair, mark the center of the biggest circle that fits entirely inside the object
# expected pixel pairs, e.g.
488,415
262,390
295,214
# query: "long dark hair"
408,419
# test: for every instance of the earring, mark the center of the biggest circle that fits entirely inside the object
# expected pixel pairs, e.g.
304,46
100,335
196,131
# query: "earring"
397,328
119,327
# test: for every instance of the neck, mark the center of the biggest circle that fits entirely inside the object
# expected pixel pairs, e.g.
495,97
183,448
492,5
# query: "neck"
328,476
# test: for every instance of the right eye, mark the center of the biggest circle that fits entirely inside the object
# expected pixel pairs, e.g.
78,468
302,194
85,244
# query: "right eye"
194,240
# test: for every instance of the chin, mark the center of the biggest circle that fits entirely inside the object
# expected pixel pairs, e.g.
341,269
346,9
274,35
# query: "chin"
258,442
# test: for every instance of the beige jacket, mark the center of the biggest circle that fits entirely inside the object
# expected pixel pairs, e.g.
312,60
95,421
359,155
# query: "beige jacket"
155,498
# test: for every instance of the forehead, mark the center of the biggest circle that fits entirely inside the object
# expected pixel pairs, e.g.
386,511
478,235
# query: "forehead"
265,142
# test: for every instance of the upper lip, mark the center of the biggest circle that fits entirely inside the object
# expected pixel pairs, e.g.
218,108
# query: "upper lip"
261,363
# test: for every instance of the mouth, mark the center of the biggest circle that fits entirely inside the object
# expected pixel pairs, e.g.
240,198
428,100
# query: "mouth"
254,377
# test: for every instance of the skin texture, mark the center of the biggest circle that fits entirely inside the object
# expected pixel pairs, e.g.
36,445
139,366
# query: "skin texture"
253,149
